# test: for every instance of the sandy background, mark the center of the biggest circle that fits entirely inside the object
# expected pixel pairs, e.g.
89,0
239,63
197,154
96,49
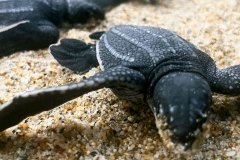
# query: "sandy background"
100,126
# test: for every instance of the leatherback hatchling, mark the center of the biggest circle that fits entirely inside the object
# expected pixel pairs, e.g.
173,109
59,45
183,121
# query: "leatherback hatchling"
142,64
32,24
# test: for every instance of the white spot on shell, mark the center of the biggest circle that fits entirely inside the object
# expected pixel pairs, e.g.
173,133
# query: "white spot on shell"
90,83
171,109
161,109
171,119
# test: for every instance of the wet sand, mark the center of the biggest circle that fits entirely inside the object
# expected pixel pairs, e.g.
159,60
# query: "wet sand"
98,124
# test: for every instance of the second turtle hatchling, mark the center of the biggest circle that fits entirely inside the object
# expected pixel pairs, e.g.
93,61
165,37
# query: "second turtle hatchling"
32,24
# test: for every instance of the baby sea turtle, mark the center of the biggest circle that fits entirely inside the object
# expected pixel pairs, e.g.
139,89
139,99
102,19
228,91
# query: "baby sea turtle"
32,24
142,64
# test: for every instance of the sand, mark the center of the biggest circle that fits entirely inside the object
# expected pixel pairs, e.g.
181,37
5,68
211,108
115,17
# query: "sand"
98,125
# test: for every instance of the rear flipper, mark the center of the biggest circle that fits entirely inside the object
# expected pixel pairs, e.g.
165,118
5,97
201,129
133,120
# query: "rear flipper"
30,103
26,35
227,81
75,55
96,35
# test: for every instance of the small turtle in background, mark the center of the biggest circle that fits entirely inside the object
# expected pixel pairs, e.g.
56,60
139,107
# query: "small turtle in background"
32,24
142,64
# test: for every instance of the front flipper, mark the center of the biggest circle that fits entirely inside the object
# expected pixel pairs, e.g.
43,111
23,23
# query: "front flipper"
75,55
26,35
227,81
30,103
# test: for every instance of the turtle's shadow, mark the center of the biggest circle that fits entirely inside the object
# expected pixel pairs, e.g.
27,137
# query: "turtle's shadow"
57,135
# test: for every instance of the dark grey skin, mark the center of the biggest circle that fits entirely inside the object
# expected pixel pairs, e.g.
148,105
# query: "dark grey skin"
32,24
146,65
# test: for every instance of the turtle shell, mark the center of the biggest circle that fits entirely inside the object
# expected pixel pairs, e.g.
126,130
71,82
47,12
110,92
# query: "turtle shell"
143,48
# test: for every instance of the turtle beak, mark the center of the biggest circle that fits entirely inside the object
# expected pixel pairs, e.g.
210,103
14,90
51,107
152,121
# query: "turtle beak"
182,100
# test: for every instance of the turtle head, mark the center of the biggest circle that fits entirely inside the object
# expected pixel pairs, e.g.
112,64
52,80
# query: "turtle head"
84,10
182,99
